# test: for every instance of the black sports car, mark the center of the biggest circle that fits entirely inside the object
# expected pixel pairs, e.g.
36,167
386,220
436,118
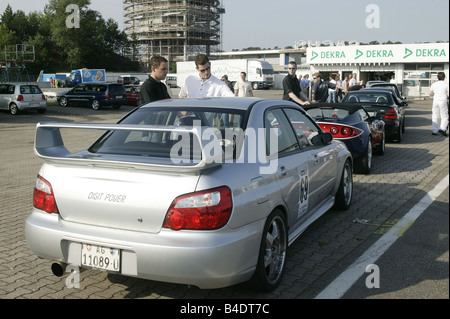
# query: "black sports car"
351,124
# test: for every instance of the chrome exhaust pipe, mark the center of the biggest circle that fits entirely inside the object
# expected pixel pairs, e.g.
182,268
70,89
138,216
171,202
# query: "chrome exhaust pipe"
58,268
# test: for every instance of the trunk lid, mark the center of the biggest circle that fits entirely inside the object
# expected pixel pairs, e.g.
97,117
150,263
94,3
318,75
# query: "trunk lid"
127,199
377,111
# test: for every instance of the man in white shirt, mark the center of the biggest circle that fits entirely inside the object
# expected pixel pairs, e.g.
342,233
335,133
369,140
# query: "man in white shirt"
393,80
204,84
353,81
439,116
243,88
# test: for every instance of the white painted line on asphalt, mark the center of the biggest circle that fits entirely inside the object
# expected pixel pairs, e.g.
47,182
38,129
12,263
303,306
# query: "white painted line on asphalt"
343,282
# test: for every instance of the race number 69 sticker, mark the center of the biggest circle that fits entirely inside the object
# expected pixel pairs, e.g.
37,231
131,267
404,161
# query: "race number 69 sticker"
303,190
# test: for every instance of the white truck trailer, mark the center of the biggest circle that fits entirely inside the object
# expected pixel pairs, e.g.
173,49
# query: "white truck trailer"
259,73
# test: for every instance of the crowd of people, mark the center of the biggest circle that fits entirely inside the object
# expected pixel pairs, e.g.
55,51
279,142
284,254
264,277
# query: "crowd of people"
331,90
300,90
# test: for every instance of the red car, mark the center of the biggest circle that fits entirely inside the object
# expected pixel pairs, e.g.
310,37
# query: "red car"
133,94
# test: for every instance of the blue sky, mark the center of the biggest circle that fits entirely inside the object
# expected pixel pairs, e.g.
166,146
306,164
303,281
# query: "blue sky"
268,23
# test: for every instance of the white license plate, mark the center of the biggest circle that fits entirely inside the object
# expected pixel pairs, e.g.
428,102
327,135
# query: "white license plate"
99,257
34,104
372,113
119,97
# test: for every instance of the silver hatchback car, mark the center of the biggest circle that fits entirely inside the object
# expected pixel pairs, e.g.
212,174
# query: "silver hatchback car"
206,192
16,97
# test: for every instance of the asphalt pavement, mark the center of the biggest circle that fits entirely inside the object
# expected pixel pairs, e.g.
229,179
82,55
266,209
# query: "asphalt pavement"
414,267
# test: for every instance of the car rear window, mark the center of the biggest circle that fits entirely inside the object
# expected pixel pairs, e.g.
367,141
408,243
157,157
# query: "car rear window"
323,113
372,98
160,143
30,89
116,89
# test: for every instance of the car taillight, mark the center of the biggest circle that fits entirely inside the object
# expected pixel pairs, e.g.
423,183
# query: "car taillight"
43,97
204,210
391,114
43,197
107,96
340,131
20,97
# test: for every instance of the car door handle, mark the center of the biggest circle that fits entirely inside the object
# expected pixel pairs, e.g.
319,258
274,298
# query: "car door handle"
316,159
283,171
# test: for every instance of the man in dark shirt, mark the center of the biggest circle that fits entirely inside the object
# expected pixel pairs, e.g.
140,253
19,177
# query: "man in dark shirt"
153,89
319,91
291,87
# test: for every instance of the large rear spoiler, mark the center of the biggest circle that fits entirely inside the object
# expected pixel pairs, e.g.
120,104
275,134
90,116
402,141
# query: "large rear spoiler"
49,145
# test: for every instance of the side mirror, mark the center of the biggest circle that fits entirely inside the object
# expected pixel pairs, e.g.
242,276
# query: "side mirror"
324,138
327,138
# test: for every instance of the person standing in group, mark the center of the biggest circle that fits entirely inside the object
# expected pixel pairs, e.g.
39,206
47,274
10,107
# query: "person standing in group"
204,84
339,88
304,84
291,87
242,87
319,90
224,79
353,81
332,91
153,89
439,92
393,80
344,86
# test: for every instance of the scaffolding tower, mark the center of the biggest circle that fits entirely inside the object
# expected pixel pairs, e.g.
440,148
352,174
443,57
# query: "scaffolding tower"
14,60
174,29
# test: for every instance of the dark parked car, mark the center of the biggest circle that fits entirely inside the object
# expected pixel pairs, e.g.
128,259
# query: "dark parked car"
393,86
95,95
351,124
382,105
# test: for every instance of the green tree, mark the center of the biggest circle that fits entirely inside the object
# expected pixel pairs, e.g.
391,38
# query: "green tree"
7,36
95,44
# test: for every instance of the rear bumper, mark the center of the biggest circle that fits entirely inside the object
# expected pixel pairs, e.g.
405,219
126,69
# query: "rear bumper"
391,127
38,105
207,259
113,102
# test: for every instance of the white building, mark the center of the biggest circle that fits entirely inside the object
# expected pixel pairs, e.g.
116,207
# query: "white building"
414,66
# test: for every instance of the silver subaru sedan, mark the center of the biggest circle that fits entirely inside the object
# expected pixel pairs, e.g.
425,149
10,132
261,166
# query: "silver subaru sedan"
207,192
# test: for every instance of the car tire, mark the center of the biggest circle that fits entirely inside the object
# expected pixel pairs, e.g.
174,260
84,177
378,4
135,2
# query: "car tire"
344,194
399,136
95,104
63,101
272,253
255,86
382,147
13,109
364,163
